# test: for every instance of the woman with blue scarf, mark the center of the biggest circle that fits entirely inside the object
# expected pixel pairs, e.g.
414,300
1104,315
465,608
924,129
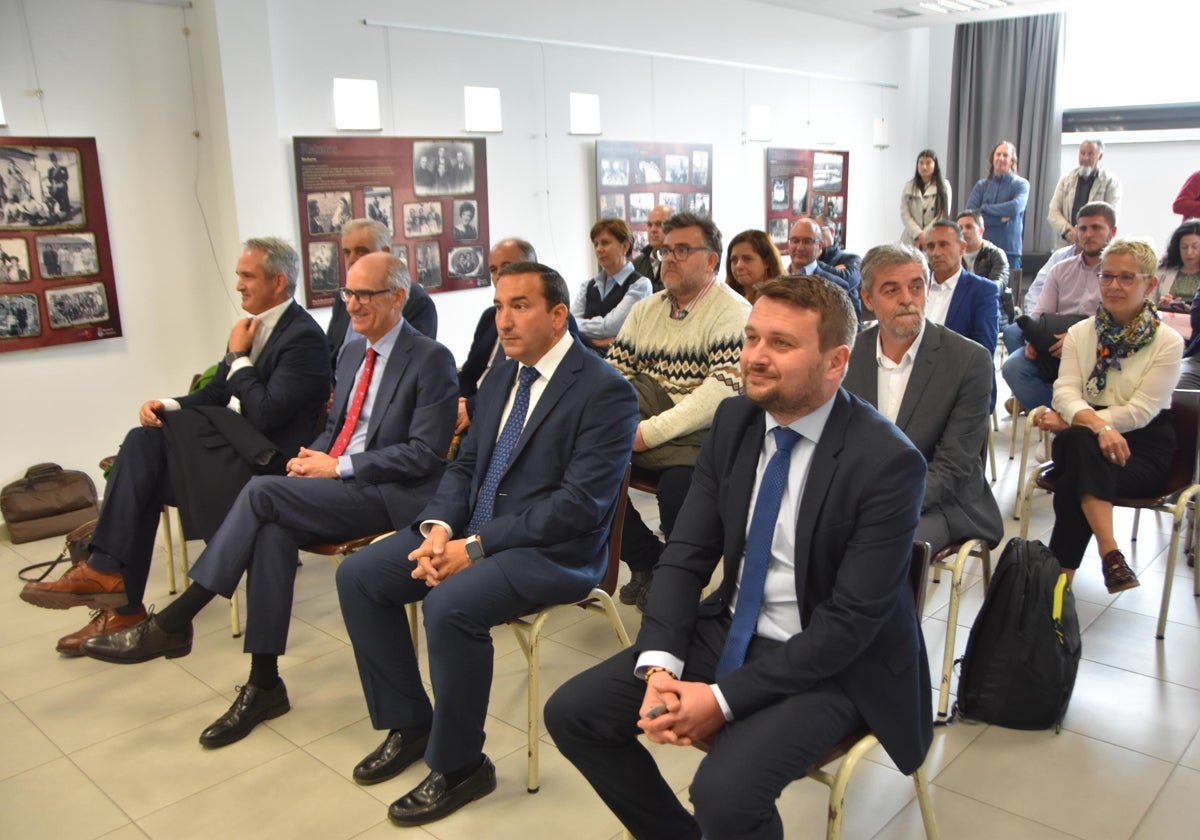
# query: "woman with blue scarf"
1112,411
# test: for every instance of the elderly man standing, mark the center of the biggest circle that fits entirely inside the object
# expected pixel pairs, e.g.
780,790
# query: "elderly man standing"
264,398
1084,184
646,263
935,385
679,347
375,465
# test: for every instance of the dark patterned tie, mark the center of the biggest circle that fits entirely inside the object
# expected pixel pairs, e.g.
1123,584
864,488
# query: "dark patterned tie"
758,552
486,503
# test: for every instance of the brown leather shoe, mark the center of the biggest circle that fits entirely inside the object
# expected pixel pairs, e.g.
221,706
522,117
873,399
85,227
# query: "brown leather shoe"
103,622
80,586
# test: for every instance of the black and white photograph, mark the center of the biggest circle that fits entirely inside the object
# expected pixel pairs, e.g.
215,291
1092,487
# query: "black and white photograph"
817,205
67,255
76,305
640,205
778,230
614,172
672,200
423,219
14,261
40,187
467,262
699,168
799,194
677,169
835,205
827,172
379,206
400,252
700,203
328,212
779,194
429,264
19,316
640,240
648,171
612,205
323,267
466,212
443,168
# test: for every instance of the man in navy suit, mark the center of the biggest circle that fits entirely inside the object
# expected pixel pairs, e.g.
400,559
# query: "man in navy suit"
273,382
805,245
813,630
375,465
520,520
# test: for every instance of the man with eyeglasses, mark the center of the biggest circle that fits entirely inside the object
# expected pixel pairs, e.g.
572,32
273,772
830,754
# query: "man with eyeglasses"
359,238
805,244
263,400
373,468
1071,288
680,349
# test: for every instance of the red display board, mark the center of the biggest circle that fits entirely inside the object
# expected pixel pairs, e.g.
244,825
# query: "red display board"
805,182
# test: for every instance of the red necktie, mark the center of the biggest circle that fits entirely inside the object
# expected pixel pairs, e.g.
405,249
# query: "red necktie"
356,404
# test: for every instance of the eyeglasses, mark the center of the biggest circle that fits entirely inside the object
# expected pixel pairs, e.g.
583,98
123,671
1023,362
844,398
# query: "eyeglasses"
679,252
809,242
363,297
1126,280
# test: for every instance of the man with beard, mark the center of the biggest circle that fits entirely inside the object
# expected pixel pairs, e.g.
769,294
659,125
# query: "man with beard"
1082,185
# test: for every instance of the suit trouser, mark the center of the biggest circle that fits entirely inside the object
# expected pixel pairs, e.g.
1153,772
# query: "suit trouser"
593,720
137,488
374,587
272,517
640,548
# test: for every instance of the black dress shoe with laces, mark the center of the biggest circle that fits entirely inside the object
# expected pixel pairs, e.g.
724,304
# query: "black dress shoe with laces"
391,757
140,643
252,706
434,798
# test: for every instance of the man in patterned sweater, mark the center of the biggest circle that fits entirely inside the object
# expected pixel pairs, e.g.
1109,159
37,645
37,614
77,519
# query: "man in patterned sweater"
680,349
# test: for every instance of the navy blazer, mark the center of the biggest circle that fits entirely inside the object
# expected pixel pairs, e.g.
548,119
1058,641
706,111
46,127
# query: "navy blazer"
418,310
411,423
975,310
555,503
854,532
284,391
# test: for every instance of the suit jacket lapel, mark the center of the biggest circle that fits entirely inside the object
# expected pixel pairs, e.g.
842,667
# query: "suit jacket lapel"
487,417
563,380
398,360
739,486
924,369
816,487
863,376
281,326
351,360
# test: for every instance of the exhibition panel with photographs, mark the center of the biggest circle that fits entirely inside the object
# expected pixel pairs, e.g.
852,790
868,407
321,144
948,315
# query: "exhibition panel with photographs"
431,194
805,182
56,271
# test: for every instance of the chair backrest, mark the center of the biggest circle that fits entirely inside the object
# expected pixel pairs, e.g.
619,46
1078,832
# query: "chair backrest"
609,584
918,574
1185,417
1015,276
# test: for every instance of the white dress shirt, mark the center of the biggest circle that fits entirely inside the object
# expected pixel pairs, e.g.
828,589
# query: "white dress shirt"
937,303
892,377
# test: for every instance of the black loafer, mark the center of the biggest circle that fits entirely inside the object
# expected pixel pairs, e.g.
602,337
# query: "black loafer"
252,706
140,643
433,798
391,757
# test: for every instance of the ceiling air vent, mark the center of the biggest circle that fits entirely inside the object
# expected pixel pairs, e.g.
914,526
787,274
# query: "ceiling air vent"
897,12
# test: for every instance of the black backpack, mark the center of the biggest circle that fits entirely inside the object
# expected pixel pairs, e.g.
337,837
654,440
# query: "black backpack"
1019,667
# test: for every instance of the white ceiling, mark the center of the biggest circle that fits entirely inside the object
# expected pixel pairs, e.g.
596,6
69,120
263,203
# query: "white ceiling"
867,11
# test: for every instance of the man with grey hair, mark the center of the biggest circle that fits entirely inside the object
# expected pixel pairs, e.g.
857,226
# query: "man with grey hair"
646,263
1084,184
359,238
935,385
372,470
263,400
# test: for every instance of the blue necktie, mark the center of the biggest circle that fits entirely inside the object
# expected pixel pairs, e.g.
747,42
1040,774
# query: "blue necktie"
758,552
486,503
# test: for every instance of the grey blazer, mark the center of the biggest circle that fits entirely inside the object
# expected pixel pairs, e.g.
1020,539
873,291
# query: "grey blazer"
944,412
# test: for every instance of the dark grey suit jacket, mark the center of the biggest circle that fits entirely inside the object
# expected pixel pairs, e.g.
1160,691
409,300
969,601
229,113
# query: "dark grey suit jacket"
944,412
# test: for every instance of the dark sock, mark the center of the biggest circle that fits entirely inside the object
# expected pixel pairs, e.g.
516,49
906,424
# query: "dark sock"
180,612
129,609
461,774
264,671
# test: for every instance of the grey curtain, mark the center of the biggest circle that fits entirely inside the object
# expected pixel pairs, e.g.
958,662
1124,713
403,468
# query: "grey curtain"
1005,79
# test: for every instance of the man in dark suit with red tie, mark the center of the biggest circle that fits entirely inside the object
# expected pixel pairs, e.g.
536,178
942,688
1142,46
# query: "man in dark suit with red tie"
811,497
520,520
376,464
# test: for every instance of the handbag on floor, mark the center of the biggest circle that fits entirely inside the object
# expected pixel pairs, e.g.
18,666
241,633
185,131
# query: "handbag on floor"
47,502
74,550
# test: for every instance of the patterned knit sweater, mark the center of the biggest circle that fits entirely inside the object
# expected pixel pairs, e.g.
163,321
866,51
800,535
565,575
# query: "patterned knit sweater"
694,360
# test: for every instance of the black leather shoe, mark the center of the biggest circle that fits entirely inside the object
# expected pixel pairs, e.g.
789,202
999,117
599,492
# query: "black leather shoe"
140,643
390,758
433,799
252,706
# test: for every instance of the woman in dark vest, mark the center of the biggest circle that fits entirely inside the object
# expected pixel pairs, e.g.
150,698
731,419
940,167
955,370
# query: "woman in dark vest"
602,303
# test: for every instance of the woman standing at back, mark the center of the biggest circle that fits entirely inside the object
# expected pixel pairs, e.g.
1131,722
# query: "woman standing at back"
924,199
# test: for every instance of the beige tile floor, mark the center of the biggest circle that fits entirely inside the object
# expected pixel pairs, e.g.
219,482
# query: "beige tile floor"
90,750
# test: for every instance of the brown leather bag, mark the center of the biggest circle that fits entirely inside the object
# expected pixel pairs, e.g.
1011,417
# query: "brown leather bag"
47,502
74,550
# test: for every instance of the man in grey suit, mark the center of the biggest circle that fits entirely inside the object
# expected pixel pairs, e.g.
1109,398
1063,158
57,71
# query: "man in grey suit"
935,386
